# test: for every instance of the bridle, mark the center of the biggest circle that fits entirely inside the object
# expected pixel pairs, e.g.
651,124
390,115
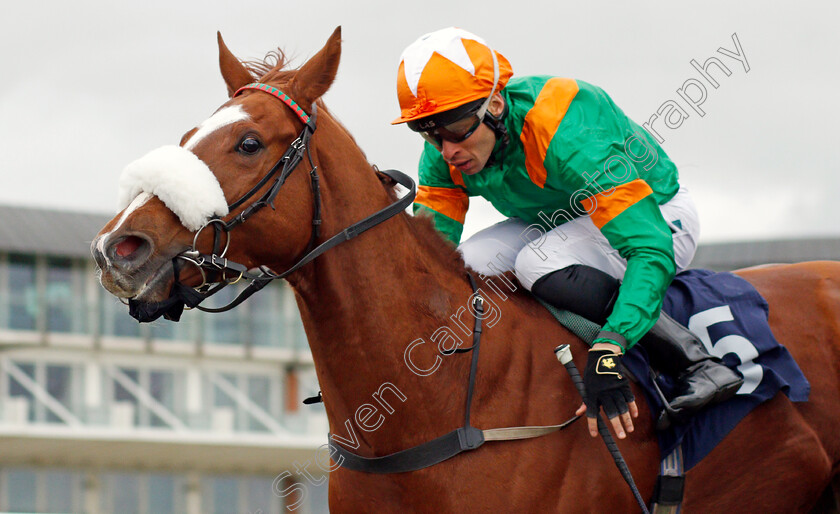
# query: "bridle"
226,272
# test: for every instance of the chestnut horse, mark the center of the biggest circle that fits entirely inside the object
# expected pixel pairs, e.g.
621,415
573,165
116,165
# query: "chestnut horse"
370,308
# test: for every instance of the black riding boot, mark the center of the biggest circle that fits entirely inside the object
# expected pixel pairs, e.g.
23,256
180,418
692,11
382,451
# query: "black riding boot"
673,349
702,379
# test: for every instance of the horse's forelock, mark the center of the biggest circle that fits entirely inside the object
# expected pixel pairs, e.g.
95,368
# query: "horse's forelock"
272,68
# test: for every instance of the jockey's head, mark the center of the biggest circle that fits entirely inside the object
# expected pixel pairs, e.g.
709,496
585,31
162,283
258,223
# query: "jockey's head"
448,87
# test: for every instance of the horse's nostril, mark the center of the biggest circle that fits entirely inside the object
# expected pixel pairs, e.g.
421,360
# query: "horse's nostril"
128,246
129,251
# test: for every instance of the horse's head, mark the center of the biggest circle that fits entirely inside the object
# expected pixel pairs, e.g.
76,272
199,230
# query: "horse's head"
169,196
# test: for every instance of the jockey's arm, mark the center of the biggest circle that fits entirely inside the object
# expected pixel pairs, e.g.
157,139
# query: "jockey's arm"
631,221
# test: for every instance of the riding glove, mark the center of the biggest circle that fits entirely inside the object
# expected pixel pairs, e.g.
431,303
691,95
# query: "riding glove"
605,379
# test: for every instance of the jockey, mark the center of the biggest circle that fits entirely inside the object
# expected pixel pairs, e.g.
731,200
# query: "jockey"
598,222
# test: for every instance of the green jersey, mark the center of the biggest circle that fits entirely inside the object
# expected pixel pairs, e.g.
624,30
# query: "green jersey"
572,152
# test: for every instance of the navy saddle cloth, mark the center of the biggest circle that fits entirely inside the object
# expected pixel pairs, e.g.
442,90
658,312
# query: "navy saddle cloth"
730,317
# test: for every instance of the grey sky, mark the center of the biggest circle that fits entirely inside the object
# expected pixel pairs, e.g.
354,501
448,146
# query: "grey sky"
89,86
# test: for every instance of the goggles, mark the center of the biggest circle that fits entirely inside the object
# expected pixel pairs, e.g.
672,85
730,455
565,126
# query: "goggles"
455,132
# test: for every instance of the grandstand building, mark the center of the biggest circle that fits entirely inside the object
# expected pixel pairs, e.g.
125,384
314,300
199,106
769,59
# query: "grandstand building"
99,414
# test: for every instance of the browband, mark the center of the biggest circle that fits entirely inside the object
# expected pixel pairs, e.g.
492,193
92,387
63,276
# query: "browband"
283,97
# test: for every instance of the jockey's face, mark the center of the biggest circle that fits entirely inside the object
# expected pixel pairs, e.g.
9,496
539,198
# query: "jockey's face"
471,155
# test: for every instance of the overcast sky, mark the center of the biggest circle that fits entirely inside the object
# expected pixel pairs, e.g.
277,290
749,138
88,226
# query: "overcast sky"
88,86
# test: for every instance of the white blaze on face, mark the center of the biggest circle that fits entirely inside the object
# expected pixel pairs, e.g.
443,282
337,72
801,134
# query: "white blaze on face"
179,178
220,119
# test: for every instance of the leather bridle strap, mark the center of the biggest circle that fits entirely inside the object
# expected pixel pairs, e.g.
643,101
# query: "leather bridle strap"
266,276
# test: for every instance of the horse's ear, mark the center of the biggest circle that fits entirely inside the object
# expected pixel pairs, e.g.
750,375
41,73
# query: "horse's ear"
234,73
314,78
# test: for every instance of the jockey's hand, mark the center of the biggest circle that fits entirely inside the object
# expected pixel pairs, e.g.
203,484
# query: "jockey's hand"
605,380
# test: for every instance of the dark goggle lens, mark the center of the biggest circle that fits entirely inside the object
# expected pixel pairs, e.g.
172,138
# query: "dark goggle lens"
454,132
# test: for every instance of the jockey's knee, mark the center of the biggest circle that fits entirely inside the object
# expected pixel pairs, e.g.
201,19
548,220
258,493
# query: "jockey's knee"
530,266
581,289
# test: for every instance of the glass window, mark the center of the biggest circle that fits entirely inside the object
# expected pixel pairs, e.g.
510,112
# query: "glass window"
16,389
60,387
266,316
295,336
65,297
222,494
114,318
22,489
23,293
121,394
63,490
260,497
220,397
120,493
259,392
183,330
161,494
162,389
223,327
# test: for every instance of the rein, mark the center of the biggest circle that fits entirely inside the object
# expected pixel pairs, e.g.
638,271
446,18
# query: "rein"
182,296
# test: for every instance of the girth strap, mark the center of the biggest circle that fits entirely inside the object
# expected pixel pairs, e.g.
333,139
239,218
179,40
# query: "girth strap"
414,458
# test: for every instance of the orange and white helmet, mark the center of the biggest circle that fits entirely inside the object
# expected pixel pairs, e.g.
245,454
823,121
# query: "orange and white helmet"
447,71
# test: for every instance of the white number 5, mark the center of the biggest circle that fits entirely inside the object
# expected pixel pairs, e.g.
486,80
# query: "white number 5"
739,345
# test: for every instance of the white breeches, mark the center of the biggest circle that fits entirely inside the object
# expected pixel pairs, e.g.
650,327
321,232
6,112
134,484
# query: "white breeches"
530,251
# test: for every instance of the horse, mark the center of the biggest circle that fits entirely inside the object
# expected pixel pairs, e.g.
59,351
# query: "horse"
374,307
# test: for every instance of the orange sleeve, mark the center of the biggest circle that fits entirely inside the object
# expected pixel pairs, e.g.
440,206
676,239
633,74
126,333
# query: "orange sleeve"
451,202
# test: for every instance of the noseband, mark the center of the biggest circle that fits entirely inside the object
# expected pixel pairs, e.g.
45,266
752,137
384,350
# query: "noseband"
227,272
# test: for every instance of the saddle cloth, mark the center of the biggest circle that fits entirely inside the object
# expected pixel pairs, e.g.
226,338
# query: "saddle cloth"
730,317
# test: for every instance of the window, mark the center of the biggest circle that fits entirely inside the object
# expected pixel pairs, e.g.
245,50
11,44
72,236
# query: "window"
61,382
23,293
159,384
21,490
66,307
221,495
223,327
183,330
259,392
114,318
259,495
162,389
17,390
63,490
124,397
61,387
120,493
266,316
161,493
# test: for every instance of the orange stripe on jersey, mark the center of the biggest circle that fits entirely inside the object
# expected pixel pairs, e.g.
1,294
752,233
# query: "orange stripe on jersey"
604,208
457,178
449,202
541,123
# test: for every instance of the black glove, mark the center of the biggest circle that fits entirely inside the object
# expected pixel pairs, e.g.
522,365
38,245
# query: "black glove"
606,384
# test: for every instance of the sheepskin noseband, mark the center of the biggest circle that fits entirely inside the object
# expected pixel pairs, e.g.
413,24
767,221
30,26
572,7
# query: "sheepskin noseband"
180,179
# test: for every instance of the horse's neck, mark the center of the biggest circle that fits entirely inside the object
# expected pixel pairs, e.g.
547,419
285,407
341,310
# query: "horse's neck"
364,301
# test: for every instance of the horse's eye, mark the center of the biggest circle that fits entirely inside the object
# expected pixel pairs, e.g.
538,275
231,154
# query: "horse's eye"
249,145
